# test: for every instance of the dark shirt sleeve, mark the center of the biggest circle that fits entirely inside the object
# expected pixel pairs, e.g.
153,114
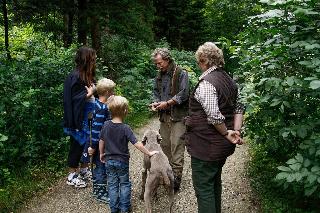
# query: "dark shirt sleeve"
156,94
183,94
102,132
130,135
74,97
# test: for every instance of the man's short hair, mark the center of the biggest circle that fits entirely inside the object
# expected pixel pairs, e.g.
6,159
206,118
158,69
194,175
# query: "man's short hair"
118,106
105,85
163,52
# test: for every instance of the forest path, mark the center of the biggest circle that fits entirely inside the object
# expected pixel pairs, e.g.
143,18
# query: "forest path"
237,195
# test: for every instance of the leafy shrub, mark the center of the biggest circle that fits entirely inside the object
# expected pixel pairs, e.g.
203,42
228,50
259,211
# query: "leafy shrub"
31,106
279,57
128,62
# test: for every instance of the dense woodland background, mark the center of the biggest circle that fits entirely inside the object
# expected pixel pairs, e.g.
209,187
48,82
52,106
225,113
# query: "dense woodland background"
272,47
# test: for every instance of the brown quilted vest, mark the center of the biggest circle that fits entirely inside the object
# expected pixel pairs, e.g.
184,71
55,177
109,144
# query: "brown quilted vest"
203,141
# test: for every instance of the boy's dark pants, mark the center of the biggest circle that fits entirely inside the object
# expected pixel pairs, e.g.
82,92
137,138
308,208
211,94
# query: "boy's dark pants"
206,177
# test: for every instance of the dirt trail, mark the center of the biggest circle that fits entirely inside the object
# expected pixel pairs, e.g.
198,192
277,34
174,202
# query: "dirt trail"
236,197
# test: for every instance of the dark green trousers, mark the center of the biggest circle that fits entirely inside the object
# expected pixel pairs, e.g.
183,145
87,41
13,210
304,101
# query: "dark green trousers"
206,178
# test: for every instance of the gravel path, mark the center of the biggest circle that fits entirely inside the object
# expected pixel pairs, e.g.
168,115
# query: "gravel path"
236,197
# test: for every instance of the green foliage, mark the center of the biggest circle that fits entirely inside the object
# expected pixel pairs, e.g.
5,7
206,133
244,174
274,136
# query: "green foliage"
31,109
128,62
278,53
181,22
303,171
130,18
227,18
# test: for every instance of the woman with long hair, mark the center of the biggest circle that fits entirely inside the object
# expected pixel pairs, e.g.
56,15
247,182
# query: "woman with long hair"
78,102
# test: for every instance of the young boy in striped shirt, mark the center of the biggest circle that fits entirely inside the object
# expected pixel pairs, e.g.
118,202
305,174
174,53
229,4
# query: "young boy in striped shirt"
105,89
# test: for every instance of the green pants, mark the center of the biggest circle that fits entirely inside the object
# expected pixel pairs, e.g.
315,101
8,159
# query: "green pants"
172,144
206,177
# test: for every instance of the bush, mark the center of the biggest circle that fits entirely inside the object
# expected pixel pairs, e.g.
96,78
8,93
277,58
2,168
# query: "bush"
31,109
128,62
279,56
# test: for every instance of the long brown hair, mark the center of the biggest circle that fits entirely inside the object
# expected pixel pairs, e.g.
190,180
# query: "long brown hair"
86,64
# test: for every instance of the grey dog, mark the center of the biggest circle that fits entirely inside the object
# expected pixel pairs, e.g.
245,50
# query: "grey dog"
159,169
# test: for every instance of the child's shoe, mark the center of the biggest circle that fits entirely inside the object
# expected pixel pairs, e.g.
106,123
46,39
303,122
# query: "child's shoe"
95,190
100,193
76,182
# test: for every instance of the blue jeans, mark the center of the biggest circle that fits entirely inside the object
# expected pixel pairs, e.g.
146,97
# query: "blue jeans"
119,185
99,172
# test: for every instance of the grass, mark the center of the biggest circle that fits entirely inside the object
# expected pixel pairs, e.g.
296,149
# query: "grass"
25,185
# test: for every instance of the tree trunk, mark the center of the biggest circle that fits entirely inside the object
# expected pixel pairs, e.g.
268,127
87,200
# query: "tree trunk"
68,15
6,27
95,33
68,28
82,22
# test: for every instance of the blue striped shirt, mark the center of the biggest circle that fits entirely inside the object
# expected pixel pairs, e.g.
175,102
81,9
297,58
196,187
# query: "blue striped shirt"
100,115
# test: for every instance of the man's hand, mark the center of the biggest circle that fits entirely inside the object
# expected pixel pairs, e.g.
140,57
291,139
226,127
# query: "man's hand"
91,151
154,105
162,105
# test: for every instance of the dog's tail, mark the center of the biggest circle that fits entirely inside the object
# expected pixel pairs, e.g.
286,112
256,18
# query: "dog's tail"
165,176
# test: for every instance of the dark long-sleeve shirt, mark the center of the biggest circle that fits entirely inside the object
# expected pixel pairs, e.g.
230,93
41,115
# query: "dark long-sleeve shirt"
165,93
74,97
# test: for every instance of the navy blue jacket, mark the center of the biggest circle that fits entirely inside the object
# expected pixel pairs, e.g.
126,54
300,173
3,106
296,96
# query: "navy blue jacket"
74,97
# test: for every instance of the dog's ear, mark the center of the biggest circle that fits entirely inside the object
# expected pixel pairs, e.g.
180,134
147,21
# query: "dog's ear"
144,140
159,138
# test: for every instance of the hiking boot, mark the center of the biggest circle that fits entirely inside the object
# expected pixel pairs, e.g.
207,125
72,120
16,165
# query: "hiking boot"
76,182
95,190
103,199
130,210
176,184
100,193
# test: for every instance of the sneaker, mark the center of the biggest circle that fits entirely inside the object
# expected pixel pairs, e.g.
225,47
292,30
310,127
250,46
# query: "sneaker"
100,193
76,182
103,199
86,175
129,210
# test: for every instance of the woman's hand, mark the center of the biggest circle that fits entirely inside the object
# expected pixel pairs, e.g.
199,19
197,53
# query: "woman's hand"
90,90
234,137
